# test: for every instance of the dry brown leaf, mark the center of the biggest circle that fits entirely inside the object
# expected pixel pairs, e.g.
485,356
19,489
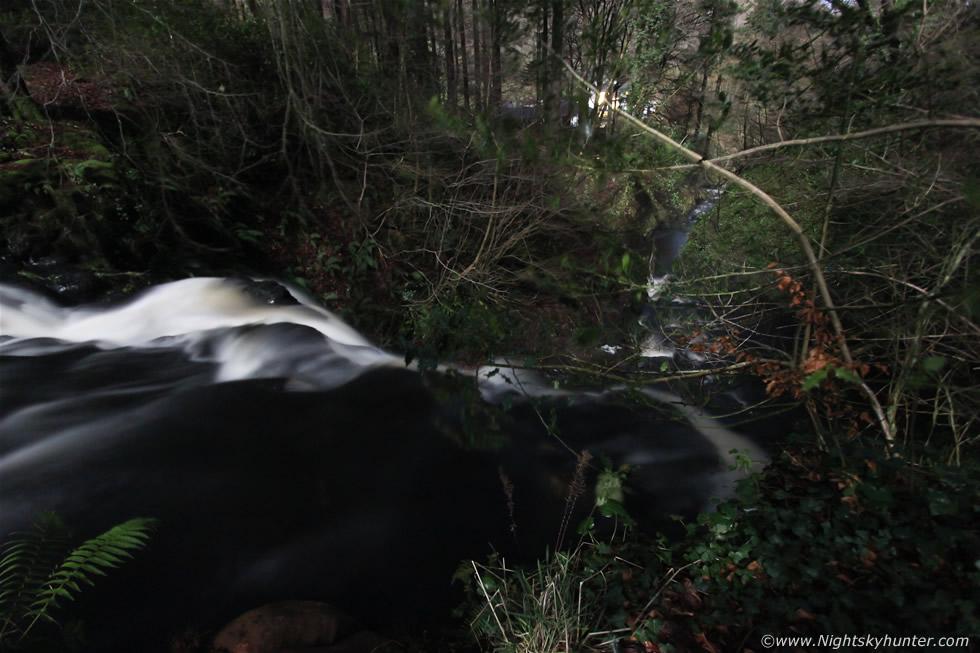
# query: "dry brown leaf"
702,639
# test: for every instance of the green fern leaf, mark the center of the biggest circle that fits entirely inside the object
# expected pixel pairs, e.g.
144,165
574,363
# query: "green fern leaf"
92,558
33,583
28,560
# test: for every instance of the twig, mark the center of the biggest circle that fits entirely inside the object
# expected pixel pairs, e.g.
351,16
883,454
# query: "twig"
663,587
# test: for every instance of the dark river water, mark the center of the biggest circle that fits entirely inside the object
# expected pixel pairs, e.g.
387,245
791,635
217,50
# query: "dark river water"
286,457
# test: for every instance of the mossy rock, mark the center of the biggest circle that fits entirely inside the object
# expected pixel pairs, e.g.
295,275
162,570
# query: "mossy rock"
84,140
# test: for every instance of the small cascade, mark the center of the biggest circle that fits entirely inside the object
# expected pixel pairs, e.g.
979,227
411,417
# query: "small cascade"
664,315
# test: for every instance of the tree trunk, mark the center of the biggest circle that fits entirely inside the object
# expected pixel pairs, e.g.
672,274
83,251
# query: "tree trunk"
699,116
555,73
541,60
461,28
485,28
496,24
433,65
392,50
448,46
479,78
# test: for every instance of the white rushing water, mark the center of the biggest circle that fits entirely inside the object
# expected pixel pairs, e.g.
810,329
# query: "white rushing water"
214,320
198,315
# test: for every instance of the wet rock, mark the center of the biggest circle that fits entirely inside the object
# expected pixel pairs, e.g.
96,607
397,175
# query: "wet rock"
43,263
294,626
269,292
19,246
77,286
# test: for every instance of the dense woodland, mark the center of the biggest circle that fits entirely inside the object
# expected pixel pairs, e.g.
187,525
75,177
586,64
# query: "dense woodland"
456,176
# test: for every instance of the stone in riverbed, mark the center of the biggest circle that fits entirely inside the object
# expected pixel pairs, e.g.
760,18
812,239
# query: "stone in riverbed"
299,626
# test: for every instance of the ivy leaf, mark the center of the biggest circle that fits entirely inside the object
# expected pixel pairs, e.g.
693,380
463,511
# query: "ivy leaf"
614,508
813,380
847,375
586,525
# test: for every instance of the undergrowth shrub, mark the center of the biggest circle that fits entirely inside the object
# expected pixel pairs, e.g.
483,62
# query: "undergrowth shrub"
830,543
818,544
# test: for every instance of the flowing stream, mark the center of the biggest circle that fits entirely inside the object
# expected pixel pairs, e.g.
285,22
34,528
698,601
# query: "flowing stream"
286,457
665,312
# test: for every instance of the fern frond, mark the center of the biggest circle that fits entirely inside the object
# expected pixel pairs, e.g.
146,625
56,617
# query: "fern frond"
105,551
32,583
27,560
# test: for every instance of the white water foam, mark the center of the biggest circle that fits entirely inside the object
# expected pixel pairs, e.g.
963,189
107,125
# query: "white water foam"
725,441
196,315
205,316
170,309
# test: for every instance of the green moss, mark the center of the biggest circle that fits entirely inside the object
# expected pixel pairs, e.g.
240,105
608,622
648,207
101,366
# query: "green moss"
82,139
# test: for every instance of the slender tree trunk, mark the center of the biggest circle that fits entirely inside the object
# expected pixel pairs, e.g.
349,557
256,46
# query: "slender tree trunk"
496,24
478,77
706,150
417,63
391,55
377,22
554,70
485,28
745,125
245,9
461,28
434,65
447,31
341,11
542,59
699,103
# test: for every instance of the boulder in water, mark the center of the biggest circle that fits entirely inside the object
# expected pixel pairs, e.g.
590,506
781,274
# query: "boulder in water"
298,626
